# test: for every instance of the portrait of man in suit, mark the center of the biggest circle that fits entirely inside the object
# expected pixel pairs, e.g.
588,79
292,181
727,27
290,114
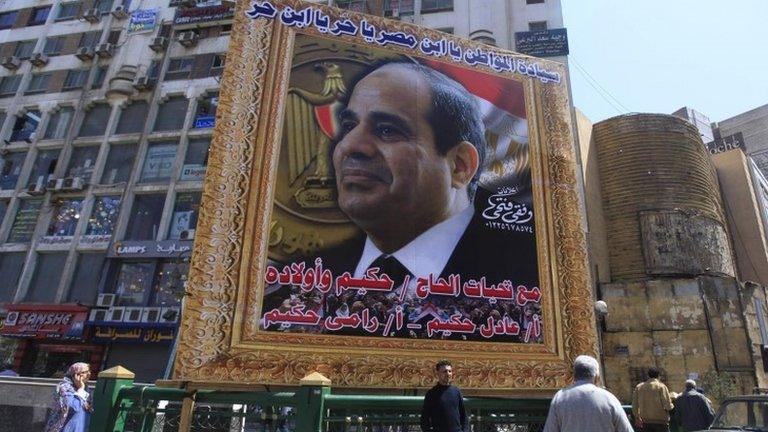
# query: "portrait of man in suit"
408,157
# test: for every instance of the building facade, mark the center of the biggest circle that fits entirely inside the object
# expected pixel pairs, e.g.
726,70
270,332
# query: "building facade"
106,116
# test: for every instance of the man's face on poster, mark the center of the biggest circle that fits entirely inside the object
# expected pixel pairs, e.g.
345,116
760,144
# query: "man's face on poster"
387,163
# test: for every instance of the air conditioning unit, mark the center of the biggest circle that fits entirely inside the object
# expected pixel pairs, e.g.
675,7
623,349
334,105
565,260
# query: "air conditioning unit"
98,315
143,83
11,62
77,184
37,188
132,315
120,12
92,15
85,53
159,44
39,59
115,314
395,12
169,315
105,300
187,38
105,50
66,183
187,234
150,315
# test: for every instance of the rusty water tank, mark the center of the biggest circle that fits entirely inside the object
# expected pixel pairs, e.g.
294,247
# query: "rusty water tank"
661,199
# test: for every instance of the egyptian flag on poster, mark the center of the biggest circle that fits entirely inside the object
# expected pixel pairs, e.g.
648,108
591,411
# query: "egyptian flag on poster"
502,106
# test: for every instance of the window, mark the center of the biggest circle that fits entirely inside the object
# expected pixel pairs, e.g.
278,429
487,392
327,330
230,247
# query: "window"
44,166
11,165
39,83
119,163
533,1
58,123
169,283
24,49
154,70
76,79
82,161
11,265
26,218
54,45
68,11
95,122
9,85
8,19
84,287
98,80
104,6
134,281
225,30
185,212
132,118
66,215
436,5
25,126
179,68
144,221
206,111
170,115
3,209
158,164
353,5
537,25
395,8
217,67
39,15
89,39
103,216
196,160
48,270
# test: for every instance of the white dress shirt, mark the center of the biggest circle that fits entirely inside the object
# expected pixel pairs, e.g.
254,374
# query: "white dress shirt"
426,254
583,407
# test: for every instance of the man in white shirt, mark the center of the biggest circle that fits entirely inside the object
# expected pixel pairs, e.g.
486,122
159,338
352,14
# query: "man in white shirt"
583,406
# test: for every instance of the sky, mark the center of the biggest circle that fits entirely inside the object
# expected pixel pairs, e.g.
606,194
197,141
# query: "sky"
657,56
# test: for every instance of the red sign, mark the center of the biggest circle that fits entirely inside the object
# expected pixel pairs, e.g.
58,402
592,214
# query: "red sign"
45,321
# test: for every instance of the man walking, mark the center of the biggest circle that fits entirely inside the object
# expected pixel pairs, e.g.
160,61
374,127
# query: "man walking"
694,409
583,406
443,409
651,404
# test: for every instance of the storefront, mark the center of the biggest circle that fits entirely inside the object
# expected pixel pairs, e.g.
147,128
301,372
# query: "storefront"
50,337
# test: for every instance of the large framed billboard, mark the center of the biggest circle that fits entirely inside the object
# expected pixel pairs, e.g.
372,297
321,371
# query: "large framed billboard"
380,196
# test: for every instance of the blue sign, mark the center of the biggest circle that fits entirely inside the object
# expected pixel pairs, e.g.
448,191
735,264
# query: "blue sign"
142,20
204,122
543,43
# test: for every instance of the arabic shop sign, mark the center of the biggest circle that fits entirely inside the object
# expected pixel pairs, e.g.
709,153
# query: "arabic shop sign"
542,43
312,16
150,249
137,335
45,321
203,14
724,144
142,20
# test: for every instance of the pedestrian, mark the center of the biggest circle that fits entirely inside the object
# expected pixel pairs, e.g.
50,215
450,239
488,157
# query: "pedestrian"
694,409
651,404
7,370
443,409
583,406
71,402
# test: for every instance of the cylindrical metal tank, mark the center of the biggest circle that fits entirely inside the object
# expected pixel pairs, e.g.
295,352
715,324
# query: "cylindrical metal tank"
661,199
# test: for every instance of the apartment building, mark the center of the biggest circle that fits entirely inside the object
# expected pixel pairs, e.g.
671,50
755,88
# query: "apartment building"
106,113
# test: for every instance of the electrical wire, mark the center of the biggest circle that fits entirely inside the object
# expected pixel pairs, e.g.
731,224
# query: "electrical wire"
615,104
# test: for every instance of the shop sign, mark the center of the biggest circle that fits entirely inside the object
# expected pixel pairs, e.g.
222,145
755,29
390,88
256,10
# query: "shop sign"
203,14
45,321
204,122
142,20
542,43
132,334
727,143
192,172
150,249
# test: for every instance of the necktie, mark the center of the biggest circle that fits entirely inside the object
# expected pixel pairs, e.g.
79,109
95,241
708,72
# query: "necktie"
390,266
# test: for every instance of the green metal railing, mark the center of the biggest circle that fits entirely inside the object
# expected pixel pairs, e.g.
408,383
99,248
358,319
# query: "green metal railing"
121,406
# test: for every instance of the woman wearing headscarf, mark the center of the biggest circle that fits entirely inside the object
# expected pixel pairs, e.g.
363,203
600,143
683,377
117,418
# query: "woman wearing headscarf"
71,401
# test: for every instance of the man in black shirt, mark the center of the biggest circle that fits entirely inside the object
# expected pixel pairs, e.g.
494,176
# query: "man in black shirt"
443,409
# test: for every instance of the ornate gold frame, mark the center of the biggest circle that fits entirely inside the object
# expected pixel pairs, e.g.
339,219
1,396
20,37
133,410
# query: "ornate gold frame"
230,246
